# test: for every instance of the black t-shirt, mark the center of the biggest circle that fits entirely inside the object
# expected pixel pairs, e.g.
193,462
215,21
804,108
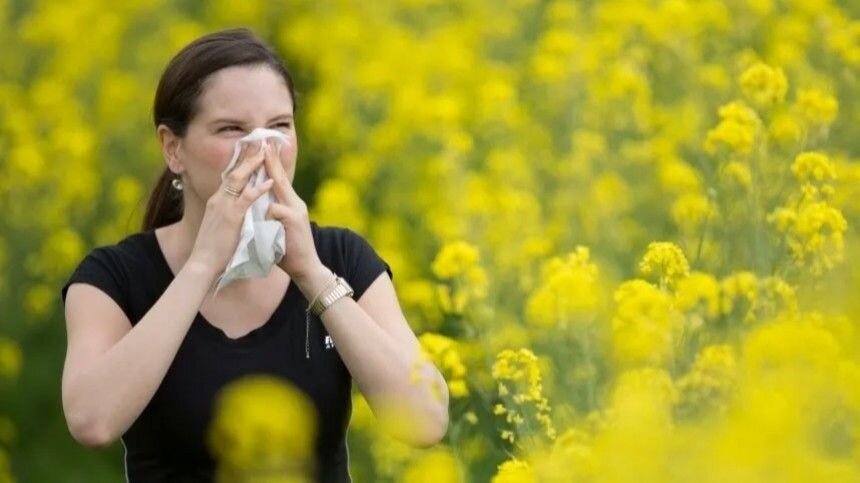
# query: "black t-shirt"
167,441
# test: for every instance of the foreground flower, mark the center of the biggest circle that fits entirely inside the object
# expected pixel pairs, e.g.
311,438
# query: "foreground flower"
263,428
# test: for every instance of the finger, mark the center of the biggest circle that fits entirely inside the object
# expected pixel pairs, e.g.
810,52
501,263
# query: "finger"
241,176
276,172
292,198
245,150
276,211
249,195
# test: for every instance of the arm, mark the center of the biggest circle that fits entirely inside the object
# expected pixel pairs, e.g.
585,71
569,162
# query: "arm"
380,350
113,369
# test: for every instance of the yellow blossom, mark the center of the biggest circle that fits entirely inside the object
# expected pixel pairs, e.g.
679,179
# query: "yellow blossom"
763,84
514,471
445,354
436,465
737,130
520,370
816,107
813,166
568,291
708,383
642,328
737,174
263,423
698,291
665,261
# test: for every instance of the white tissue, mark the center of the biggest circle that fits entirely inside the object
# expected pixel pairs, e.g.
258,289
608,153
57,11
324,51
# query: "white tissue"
262,242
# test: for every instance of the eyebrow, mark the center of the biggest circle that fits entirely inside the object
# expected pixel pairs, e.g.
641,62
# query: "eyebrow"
236,121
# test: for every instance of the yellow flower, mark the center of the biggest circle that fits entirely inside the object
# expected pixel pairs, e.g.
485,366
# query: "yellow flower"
437,465
514,471
455,259
699,291
666,261
691,210
643,324
814,232
788,344
763,84
737,129
736,286
338,203
568,291
445,354
736,173
263,423
10,358
519,369
816,107
784,130
678,177
813,166
708,383
458,262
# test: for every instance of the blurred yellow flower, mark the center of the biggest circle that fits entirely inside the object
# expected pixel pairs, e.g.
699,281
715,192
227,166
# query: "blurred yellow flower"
568,292
816,107
263,424
642,325
444,353
814,232
691,210
10,358
735,173
437,465
813,166
458,263
514,471
709,382
785,130
698,291
737,130
763,84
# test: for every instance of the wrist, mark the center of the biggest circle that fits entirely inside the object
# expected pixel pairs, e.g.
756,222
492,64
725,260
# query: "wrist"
314,281
199,271
200,267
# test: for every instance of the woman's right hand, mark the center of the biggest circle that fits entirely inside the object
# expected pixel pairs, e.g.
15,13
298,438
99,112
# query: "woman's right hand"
220,227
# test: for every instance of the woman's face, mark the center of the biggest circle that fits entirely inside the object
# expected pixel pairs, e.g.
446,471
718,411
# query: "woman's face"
234,102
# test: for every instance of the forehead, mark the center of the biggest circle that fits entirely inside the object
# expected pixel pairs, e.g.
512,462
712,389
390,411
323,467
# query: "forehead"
244,91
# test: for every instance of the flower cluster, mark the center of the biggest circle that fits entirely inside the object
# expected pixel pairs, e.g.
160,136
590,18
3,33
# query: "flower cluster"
519,385
568,293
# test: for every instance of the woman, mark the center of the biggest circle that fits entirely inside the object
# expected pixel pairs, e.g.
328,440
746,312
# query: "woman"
149,348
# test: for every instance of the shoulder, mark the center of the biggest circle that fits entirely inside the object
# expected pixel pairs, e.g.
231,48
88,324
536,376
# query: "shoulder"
337,238
349,254
129,254
111,267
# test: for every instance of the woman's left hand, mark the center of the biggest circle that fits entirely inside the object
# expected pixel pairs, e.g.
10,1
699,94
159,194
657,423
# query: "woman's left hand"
300,257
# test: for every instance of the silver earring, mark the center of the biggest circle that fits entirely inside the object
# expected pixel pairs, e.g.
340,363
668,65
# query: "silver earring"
177,183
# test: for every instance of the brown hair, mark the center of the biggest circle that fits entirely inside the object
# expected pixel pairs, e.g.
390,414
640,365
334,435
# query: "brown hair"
180,87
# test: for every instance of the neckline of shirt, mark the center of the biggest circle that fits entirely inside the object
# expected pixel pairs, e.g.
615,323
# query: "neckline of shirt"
206,327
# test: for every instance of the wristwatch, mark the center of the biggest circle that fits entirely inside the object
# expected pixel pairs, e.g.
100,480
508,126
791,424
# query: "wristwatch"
341,289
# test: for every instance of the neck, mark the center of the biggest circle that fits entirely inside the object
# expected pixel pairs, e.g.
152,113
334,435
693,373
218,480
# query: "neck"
183,234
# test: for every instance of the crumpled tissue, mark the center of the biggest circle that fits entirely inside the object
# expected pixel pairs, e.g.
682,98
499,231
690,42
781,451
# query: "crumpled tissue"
262,242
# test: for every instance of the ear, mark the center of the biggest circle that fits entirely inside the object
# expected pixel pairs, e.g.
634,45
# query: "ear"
170,146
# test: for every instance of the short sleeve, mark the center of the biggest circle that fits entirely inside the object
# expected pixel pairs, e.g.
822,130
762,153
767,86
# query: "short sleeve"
101,269
364,265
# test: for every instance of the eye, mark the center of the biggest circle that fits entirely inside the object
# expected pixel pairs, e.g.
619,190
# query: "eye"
286,124
225,128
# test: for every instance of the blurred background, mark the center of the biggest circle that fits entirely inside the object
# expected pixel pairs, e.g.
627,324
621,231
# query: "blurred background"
624,230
